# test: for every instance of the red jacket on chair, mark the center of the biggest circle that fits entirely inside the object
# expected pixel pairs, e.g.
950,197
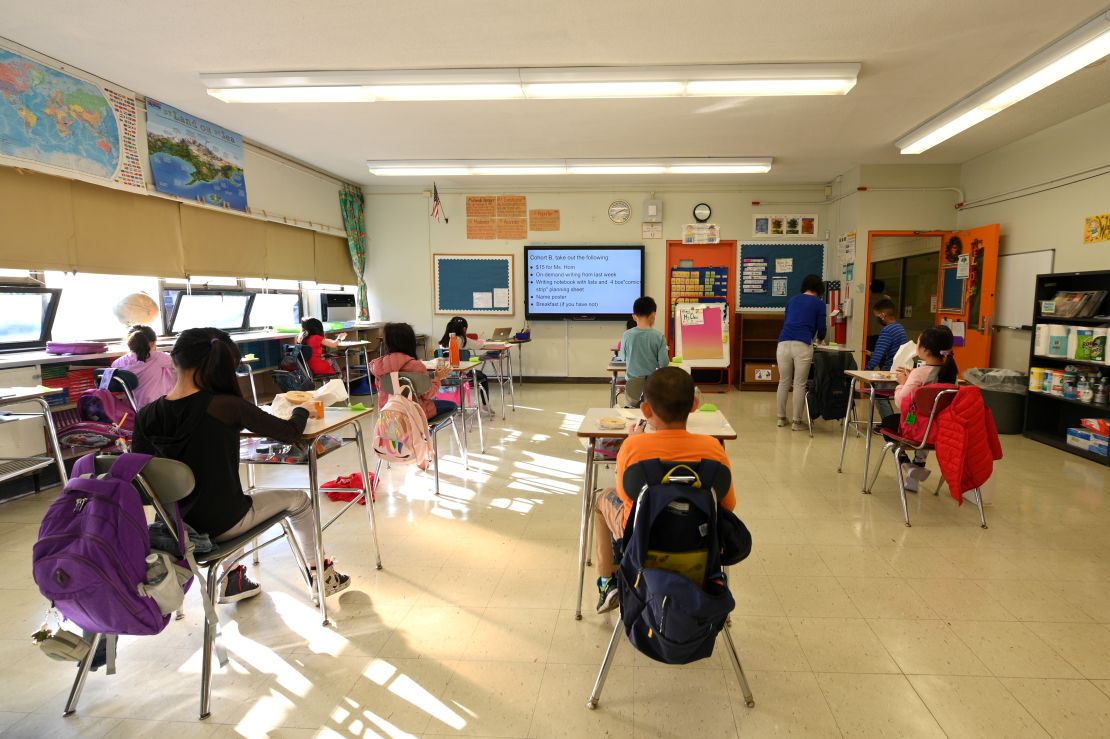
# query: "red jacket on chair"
966,442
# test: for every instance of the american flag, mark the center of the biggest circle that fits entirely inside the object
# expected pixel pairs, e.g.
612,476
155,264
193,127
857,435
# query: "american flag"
437,206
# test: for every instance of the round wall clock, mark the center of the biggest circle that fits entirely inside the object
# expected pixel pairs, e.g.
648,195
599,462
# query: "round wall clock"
620,211
702,212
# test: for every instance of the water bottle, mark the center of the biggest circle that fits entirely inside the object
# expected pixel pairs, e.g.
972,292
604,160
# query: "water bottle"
155,569
453,346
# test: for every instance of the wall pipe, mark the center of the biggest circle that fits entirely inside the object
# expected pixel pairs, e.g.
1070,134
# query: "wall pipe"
864,188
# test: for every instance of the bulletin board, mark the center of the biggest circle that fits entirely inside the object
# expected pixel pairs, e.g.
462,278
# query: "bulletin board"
701,334
771,274
474,284
952,290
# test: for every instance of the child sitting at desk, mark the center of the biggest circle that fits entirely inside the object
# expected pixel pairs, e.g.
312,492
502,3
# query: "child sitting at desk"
891,337
669,399
457,327
400,356
312,335
643,349
934,348
152,367
198,422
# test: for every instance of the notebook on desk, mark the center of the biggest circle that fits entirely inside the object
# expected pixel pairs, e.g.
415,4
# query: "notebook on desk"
501,334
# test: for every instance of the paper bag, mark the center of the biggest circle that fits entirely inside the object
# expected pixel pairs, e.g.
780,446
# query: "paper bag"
330,393
903,357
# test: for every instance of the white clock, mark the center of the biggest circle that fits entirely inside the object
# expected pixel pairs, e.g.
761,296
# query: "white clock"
620,211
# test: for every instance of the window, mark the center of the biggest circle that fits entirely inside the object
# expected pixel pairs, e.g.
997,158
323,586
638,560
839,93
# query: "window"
219,310
275,309
26,316
87,310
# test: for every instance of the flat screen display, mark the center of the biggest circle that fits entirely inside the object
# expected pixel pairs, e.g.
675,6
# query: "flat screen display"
275,309
216,310
26,316
582,282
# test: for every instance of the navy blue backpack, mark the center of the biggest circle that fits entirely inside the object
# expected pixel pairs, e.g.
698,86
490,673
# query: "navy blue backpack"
674,595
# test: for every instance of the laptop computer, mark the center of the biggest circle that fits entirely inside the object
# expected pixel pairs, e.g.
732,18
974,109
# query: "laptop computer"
502,334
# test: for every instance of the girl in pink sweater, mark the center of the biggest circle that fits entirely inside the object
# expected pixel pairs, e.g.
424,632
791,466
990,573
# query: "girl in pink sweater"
400,347
153,368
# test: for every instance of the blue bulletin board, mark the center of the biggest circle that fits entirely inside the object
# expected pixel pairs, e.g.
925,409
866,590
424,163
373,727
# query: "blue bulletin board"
478,284
771,274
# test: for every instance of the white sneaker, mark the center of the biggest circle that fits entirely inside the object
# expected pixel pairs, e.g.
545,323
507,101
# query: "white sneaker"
908,479
782,422
334,582
797,426
918,472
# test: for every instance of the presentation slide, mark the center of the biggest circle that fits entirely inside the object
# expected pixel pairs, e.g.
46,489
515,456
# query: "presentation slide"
599,282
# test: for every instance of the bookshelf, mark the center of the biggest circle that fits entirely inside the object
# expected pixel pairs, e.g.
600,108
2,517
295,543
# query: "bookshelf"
756,343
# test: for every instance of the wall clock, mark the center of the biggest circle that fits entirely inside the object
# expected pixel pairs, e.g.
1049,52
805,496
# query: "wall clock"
702,212
620,211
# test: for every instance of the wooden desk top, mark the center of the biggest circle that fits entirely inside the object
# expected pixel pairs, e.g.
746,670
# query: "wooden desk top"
617,367
353,344
9,395
711,423
875,377
430,364
334,418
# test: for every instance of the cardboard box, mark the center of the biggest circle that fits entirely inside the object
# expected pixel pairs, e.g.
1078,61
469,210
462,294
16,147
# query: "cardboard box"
1089,441
761,372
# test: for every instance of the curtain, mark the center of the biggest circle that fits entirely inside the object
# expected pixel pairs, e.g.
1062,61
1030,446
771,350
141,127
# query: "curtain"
352,203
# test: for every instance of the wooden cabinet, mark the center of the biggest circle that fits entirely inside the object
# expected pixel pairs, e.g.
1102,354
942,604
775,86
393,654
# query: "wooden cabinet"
757,338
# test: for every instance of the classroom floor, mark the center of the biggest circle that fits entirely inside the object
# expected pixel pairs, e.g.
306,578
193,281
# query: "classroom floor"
848,623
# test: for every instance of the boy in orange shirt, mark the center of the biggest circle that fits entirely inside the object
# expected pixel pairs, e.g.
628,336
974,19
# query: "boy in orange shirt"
668,401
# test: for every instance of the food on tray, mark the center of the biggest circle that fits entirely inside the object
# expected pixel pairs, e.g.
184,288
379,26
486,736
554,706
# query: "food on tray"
611,423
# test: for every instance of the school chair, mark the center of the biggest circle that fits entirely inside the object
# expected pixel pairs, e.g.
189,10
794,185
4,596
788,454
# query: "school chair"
933,399
301,353
420,383
121,381
163,483
676,542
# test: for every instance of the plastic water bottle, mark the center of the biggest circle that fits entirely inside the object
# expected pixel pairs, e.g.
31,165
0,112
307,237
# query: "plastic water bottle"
453,345
155,569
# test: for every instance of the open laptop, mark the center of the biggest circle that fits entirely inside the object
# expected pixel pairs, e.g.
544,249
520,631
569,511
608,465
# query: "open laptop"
502,334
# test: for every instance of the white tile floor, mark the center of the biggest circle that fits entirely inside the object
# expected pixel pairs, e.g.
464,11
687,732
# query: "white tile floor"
849,624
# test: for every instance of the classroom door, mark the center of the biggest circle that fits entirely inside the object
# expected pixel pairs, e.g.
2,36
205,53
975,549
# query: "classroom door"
965,292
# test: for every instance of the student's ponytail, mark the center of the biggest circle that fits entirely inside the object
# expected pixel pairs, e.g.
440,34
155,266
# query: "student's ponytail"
949,372
213,355
140,340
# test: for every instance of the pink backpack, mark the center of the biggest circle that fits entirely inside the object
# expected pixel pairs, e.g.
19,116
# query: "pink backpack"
401,432
102,418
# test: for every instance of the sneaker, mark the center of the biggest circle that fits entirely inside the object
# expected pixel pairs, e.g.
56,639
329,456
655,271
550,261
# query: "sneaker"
782,422
237,586
908,480
918,472
797,426
608,594
334,582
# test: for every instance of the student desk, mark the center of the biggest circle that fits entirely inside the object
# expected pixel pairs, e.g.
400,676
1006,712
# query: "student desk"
519,344
874,380
11,468
711,423
334,420
465,368
617,368
503,355
353,347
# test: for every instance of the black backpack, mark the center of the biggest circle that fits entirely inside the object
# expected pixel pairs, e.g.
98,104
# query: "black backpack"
673,592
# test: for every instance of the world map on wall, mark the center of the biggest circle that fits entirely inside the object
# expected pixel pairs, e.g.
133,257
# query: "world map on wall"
54,118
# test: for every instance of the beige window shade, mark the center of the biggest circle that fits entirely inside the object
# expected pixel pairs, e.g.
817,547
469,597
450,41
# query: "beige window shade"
124,234
333,261
36,221
290,252
221,244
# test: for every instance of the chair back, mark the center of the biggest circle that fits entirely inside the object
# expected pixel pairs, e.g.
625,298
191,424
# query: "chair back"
420,383
929,401
124,379
165,479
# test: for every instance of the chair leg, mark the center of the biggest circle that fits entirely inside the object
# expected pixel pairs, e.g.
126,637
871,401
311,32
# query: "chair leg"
902,491
435,459
79,681
110,653
206,652
809,418
878,467
940,484
734,658
590,526
979,505
459,441
295,547
369,493
606,663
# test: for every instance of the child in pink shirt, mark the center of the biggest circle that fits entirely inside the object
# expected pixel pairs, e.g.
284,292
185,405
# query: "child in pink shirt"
153,368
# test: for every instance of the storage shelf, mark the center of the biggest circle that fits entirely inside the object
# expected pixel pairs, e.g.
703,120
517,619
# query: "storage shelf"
1093,321
1062,399
1065,360
1054,440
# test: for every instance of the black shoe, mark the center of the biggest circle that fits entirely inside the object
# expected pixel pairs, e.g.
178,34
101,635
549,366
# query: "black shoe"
334,582
608,595
237,586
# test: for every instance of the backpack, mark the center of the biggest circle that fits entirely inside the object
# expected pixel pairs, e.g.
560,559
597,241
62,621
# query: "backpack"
90,557
401,433
101,418
289,374
673,593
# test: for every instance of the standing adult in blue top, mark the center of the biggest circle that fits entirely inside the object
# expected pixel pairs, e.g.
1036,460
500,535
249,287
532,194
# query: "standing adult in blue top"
644,349
805,319
891,336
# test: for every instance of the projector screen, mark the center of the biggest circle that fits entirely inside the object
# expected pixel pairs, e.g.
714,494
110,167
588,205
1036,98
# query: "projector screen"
597,283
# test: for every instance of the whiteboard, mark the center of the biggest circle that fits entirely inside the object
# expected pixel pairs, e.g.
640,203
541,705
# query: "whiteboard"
1017,282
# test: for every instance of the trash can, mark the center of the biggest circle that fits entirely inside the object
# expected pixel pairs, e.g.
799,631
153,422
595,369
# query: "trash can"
1004,393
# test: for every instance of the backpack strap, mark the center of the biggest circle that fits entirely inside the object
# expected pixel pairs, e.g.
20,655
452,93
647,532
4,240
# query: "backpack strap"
209,610
653,471
127,466
85,466
710,471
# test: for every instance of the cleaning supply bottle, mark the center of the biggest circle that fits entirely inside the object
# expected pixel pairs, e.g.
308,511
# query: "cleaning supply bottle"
453,346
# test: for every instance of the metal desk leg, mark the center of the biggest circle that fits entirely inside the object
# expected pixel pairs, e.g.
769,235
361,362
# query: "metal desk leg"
512,389
250,484
520,358
369,491
314,491
847,415
250,379
48,420
477,397
613,389
501,380
868,430
587,493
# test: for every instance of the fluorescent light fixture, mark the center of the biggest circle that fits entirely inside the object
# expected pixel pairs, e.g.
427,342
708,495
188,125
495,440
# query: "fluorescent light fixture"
460,168
1080,48
711,80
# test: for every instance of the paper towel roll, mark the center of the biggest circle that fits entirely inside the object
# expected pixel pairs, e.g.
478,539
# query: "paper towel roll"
1073,343
1098,350
1040,345
1058,340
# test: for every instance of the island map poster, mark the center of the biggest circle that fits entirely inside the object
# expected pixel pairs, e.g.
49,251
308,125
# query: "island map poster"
194,159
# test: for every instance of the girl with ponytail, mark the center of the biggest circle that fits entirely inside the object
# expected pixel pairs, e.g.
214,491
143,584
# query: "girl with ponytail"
154,368
934,349
198,422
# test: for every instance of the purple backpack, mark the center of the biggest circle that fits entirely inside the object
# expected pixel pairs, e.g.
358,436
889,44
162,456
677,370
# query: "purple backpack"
90,557
101,418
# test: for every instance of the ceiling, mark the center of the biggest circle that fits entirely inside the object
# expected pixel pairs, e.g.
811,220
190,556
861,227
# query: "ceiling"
918,58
